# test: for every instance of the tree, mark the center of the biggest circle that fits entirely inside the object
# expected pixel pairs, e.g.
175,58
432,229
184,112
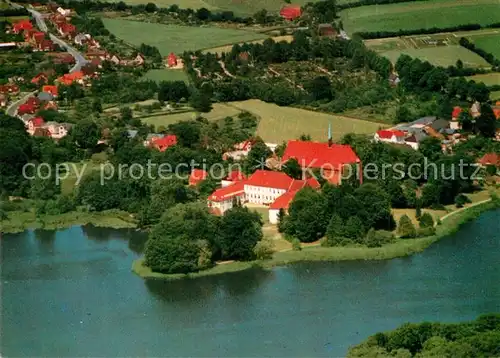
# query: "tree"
126,114
264,249
430,147
240,230
426,220
281,221
188,133
335,231
319,88
150,7
293,169
486,123
86,133
354,229
406,229
200,101
257,156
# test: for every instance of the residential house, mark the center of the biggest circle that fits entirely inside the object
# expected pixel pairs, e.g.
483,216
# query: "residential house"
95,53
490,159
63,59
240,150
331,159
233,177
162,144
66,30
171,60
50,89
326,30
222,199
41,132
151,137
64,12
97,62
394,79
40,79
132,133
58,130
9,88
80,39
3,100
455,116
45,97
290,12
197,176
69,78
34,123
21,26
51,105
421,128
475,109
89,70
115,59
390,136
46,45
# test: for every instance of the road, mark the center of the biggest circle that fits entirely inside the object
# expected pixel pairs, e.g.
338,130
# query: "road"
12,109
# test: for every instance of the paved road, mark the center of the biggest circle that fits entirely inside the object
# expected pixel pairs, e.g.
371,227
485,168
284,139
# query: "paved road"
12,109
79,59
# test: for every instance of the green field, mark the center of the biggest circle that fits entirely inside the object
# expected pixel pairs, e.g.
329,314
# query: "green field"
166,75
490,44
420,14
495,96
440,56
219,111
278,124
488,79
175,38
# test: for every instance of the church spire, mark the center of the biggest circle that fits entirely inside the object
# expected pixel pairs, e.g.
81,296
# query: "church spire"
330,140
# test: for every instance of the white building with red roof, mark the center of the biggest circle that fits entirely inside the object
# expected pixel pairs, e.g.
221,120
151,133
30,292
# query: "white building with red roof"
390,136
197,176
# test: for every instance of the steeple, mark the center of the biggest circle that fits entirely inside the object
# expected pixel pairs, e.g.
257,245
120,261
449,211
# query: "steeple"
330,140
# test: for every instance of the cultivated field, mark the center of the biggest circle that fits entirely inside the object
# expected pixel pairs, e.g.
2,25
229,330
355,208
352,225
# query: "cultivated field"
420,14
488,79
490,43
166,75
278,124
228,48
441,56
175,38
219,111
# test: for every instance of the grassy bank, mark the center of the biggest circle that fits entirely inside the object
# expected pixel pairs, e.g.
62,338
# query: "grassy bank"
19,221
450,224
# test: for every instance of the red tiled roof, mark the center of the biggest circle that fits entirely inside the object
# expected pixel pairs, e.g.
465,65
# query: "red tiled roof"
38,37
9,88
50,89
270,179
490,159
228,192
387,133
172,59
22,25
496,111
33,101
69,78
42,132
236,175
26,108
318,155
291,12
197,175
67,28
39,77
283,201
162,144
37,121
47,45
456,112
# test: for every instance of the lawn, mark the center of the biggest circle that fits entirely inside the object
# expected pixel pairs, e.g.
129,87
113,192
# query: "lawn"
176,38
420,14
278,124
488,79
219,111
228,48
166,75
495,95
489,43
440,56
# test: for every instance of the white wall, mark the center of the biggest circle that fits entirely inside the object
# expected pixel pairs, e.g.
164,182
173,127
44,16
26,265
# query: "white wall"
261,195
273,216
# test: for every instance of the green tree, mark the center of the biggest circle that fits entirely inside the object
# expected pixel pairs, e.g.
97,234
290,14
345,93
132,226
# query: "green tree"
293,169
257,156
200,101
406,229
426,220
486,123
335,231
240,230
86,133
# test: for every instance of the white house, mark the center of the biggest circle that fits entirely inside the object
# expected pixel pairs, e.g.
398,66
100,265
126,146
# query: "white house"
390,136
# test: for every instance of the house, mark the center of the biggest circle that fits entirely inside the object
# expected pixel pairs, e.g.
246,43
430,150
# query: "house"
240,150
291,12
50,105
64,12
37,37
94,53
46,45
390,136
326,30
262,188
50,89
66,29
58,130
115,59
197,176
97,62
331,159
69,78
490,159
41,132
151,137
21,26
421,128
162,144
9,89
281,203
63,59
3,100
35,123
394,79
7,45
33,101
40,79
233,177
81,39
475,109
139,60
171,60
455,115
89,70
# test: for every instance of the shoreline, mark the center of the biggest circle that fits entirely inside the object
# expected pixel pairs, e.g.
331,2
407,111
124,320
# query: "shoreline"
450,224
20,221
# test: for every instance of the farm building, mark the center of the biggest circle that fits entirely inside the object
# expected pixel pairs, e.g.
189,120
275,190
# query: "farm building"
291,12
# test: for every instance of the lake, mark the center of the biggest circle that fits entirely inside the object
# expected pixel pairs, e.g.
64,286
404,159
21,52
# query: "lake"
72,293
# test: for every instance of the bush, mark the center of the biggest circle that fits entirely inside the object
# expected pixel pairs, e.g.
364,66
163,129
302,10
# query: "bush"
426,231
377,238
426,220
461,200
296,245
99,158
264,250
406,229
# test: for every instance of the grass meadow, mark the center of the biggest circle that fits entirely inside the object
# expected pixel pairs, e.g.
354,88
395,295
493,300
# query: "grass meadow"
420,14
490,43
440,55
278,124
176,38
166,75
488,79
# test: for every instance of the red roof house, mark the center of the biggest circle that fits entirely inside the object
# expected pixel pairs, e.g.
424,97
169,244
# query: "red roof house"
197,176
69,78
390,135
291,12
283,201
162,144
35,123
46,45
172,60
26,109
41,132
227,193
40,78
490,159
66,29
50,89
33,101
9,89
22,26
38,37
456,112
